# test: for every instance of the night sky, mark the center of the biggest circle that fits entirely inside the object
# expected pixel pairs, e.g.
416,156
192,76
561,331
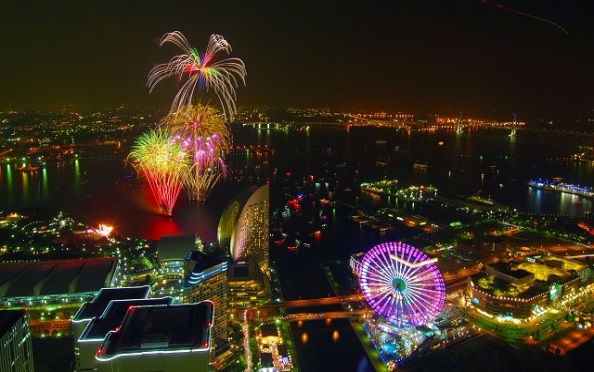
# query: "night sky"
416,56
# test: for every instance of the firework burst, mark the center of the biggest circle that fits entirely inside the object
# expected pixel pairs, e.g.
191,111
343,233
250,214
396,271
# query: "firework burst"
202,133
203,73
163,163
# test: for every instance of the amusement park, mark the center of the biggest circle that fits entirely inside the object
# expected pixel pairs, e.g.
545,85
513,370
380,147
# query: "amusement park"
416,313
407,293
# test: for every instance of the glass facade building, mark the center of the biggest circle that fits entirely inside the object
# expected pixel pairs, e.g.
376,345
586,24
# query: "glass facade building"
244,225
16,349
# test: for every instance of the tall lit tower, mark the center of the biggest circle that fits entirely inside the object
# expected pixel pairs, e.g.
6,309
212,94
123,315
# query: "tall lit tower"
459,126
514,125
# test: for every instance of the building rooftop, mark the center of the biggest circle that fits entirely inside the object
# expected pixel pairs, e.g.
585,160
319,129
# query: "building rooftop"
543,272
43,278
201,266
491,238
532,291
105,296
114,314
498,287
506,269
243,270
161,328
269,330
566,264
203,261
175,247
240,272
8,318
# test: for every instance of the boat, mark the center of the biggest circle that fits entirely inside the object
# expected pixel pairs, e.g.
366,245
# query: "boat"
420,165
586,192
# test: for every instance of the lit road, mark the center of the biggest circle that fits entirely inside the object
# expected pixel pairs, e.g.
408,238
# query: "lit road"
246,342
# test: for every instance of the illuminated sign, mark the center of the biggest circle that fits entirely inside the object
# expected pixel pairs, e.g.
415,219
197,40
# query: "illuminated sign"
555,291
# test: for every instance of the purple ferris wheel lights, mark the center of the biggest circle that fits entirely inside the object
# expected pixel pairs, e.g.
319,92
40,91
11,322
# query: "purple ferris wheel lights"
402,283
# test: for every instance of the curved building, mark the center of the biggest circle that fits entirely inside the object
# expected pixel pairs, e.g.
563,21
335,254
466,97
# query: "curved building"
243,227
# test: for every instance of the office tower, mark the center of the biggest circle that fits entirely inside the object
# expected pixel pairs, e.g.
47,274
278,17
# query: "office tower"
16,349
206,279
247,285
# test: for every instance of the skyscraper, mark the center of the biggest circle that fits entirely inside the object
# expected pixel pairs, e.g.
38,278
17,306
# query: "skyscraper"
247,285
16,348
206,279
244,228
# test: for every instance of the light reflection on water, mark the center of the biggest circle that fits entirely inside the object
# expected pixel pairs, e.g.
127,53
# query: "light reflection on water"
304,338
334,348
482,162
550,202
335,336
98,191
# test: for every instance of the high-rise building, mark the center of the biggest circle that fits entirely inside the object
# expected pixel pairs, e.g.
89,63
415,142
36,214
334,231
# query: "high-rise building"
167,338
88,343
247,285
244,228
16,349
206,279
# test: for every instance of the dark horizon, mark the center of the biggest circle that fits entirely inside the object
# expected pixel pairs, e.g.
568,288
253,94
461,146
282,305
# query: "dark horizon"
485,59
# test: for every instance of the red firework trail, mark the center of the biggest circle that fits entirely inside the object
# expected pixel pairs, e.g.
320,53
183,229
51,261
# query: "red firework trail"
500,6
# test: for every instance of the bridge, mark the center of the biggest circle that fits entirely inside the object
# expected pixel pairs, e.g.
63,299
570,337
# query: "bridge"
323,315
312,302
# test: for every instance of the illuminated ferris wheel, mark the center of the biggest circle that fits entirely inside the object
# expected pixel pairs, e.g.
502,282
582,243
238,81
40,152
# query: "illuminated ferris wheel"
402,284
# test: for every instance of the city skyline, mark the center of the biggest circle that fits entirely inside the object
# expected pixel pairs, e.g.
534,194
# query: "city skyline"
482,58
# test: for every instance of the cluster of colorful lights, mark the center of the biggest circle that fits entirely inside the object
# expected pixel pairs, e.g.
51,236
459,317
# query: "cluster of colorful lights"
163,163
402,284
203,72
204,136
188,147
